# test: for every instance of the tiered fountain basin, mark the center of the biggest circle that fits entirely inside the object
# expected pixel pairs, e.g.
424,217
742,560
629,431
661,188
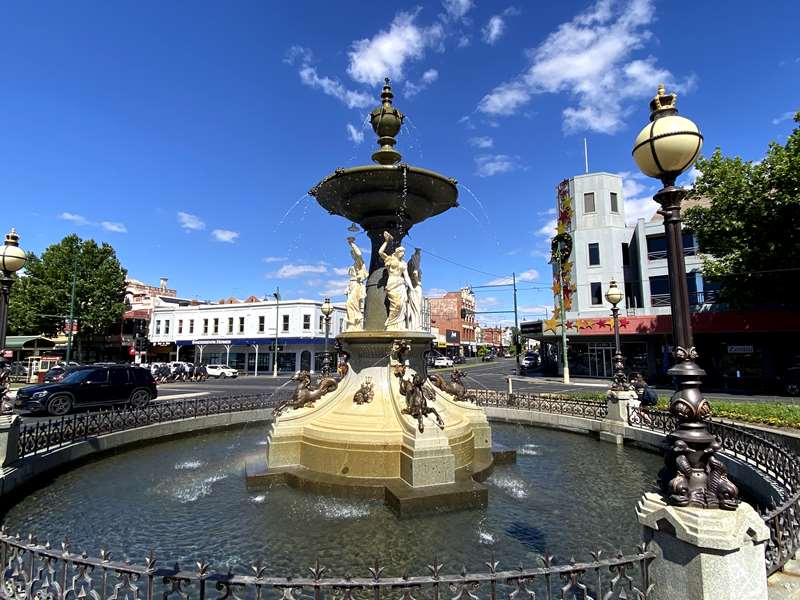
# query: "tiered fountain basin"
375,450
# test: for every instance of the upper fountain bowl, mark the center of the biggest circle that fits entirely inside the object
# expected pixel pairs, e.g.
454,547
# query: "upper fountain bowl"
388,196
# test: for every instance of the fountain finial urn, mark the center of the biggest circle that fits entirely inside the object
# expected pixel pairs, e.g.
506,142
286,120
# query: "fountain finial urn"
386,121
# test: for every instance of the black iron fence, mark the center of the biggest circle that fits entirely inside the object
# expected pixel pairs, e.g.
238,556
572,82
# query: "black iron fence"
53,433
777,463
558,404
34,570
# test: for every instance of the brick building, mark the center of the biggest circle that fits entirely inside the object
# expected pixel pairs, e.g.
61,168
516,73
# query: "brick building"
454,316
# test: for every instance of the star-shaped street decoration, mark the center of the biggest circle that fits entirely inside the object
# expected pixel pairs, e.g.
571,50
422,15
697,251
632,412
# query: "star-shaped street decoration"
624,322
550,325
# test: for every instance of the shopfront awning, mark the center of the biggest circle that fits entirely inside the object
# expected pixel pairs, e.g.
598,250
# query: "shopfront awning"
27,342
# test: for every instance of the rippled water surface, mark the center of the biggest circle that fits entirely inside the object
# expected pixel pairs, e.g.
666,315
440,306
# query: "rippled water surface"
186,499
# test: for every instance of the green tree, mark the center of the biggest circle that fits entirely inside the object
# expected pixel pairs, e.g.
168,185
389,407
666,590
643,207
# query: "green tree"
41,296
748,234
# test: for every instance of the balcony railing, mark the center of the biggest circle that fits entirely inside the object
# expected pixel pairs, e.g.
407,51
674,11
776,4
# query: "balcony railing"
695,298
662,254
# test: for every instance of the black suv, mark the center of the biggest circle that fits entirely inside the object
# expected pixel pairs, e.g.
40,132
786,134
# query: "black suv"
90,386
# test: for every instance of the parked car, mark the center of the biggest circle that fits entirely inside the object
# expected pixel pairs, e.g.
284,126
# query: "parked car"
221,371
89,386
57,373
443,361
530,361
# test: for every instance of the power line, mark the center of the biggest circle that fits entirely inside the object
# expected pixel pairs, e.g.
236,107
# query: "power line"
463,266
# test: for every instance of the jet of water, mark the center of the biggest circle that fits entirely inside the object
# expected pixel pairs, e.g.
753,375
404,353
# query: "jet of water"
286,214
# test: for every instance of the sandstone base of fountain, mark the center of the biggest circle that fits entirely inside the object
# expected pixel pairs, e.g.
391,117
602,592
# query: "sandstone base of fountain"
373,449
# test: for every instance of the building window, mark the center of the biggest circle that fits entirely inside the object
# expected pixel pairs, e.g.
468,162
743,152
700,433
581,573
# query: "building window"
191,325
594,255
230,324
158,327
205,325
588,202
341,325
614,203
180,325
261,324
597,293
166,327
306,322
285,323
241,324
321,323
626,254
216,326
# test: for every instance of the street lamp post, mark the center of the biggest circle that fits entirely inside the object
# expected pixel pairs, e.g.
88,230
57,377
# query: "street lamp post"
614,297
12,259
693,476
327,311
277,295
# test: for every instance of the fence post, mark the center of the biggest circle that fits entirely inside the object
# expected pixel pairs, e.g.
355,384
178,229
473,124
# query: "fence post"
704,553
9,439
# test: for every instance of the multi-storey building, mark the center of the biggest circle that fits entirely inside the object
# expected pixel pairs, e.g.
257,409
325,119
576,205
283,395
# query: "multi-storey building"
242,334
454,315
736,348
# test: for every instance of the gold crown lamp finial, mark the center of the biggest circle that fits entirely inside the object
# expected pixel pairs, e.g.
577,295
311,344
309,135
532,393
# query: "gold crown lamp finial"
663,102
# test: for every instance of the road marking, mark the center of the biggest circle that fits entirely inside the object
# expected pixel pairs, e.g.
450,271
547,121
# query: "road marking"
188,395
547,382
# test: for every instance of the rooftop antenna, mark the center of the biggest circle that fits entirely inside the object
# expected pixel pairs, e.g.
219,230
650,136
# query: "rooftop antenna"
585,155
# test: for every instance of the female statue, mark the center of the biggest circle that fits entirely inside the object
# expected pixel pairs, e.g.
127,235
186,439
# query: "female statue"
396,285
356,288
415,299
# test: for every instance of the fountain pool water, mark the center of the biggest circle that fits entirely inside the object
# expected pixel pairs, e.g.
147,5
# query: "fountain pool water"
187,500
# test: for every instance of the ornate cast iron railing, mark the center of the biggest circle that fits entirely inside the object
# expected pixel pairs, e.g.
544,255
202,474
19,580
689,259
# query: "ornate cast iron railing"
549,403
33,570
778,463
53,433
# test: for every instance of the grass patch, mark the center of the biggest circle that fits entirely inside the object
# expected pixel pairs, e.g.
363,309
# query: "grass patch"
766,413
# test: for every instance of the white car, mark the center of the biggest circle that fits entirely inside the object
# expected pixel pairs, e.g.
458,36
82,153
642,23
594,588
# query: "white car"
443,361
221,371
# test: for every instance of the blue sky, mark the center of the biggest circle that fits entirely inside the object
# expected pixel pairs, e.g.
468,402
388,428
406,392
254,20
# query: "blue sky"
183,132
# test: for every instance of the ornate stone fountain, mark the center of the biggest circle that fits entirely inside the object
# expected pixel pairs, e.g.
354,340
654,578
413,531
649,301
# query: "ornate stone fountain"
384,429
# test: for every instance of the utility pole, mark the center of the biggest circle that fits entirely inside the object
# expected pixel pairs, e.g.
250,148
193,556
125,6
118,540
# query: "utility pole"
277,296
516,323
72,307
562,316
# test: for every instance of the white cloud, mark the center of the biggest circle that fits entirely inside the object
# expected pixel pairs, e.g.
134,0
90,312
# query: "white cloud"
488,165
272,259
80,220
428,77
457,9
690,177
463,41
637,192
505,98
290,271
303,57
73,218
387,52
787,116
493,30
481,142
354,135
333,288
486,303
225,235
434,292
590,57
190,222
548,229
529,275
114,226
340,270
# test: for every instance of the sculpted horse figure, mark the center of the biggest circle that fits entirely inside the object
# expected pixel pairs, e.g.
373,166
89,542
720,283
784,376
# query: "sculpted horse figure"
305,394
454,387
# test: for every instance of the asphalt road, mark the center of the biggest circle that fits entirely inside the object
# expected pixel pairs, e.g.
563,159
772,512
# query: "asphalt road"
491,375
